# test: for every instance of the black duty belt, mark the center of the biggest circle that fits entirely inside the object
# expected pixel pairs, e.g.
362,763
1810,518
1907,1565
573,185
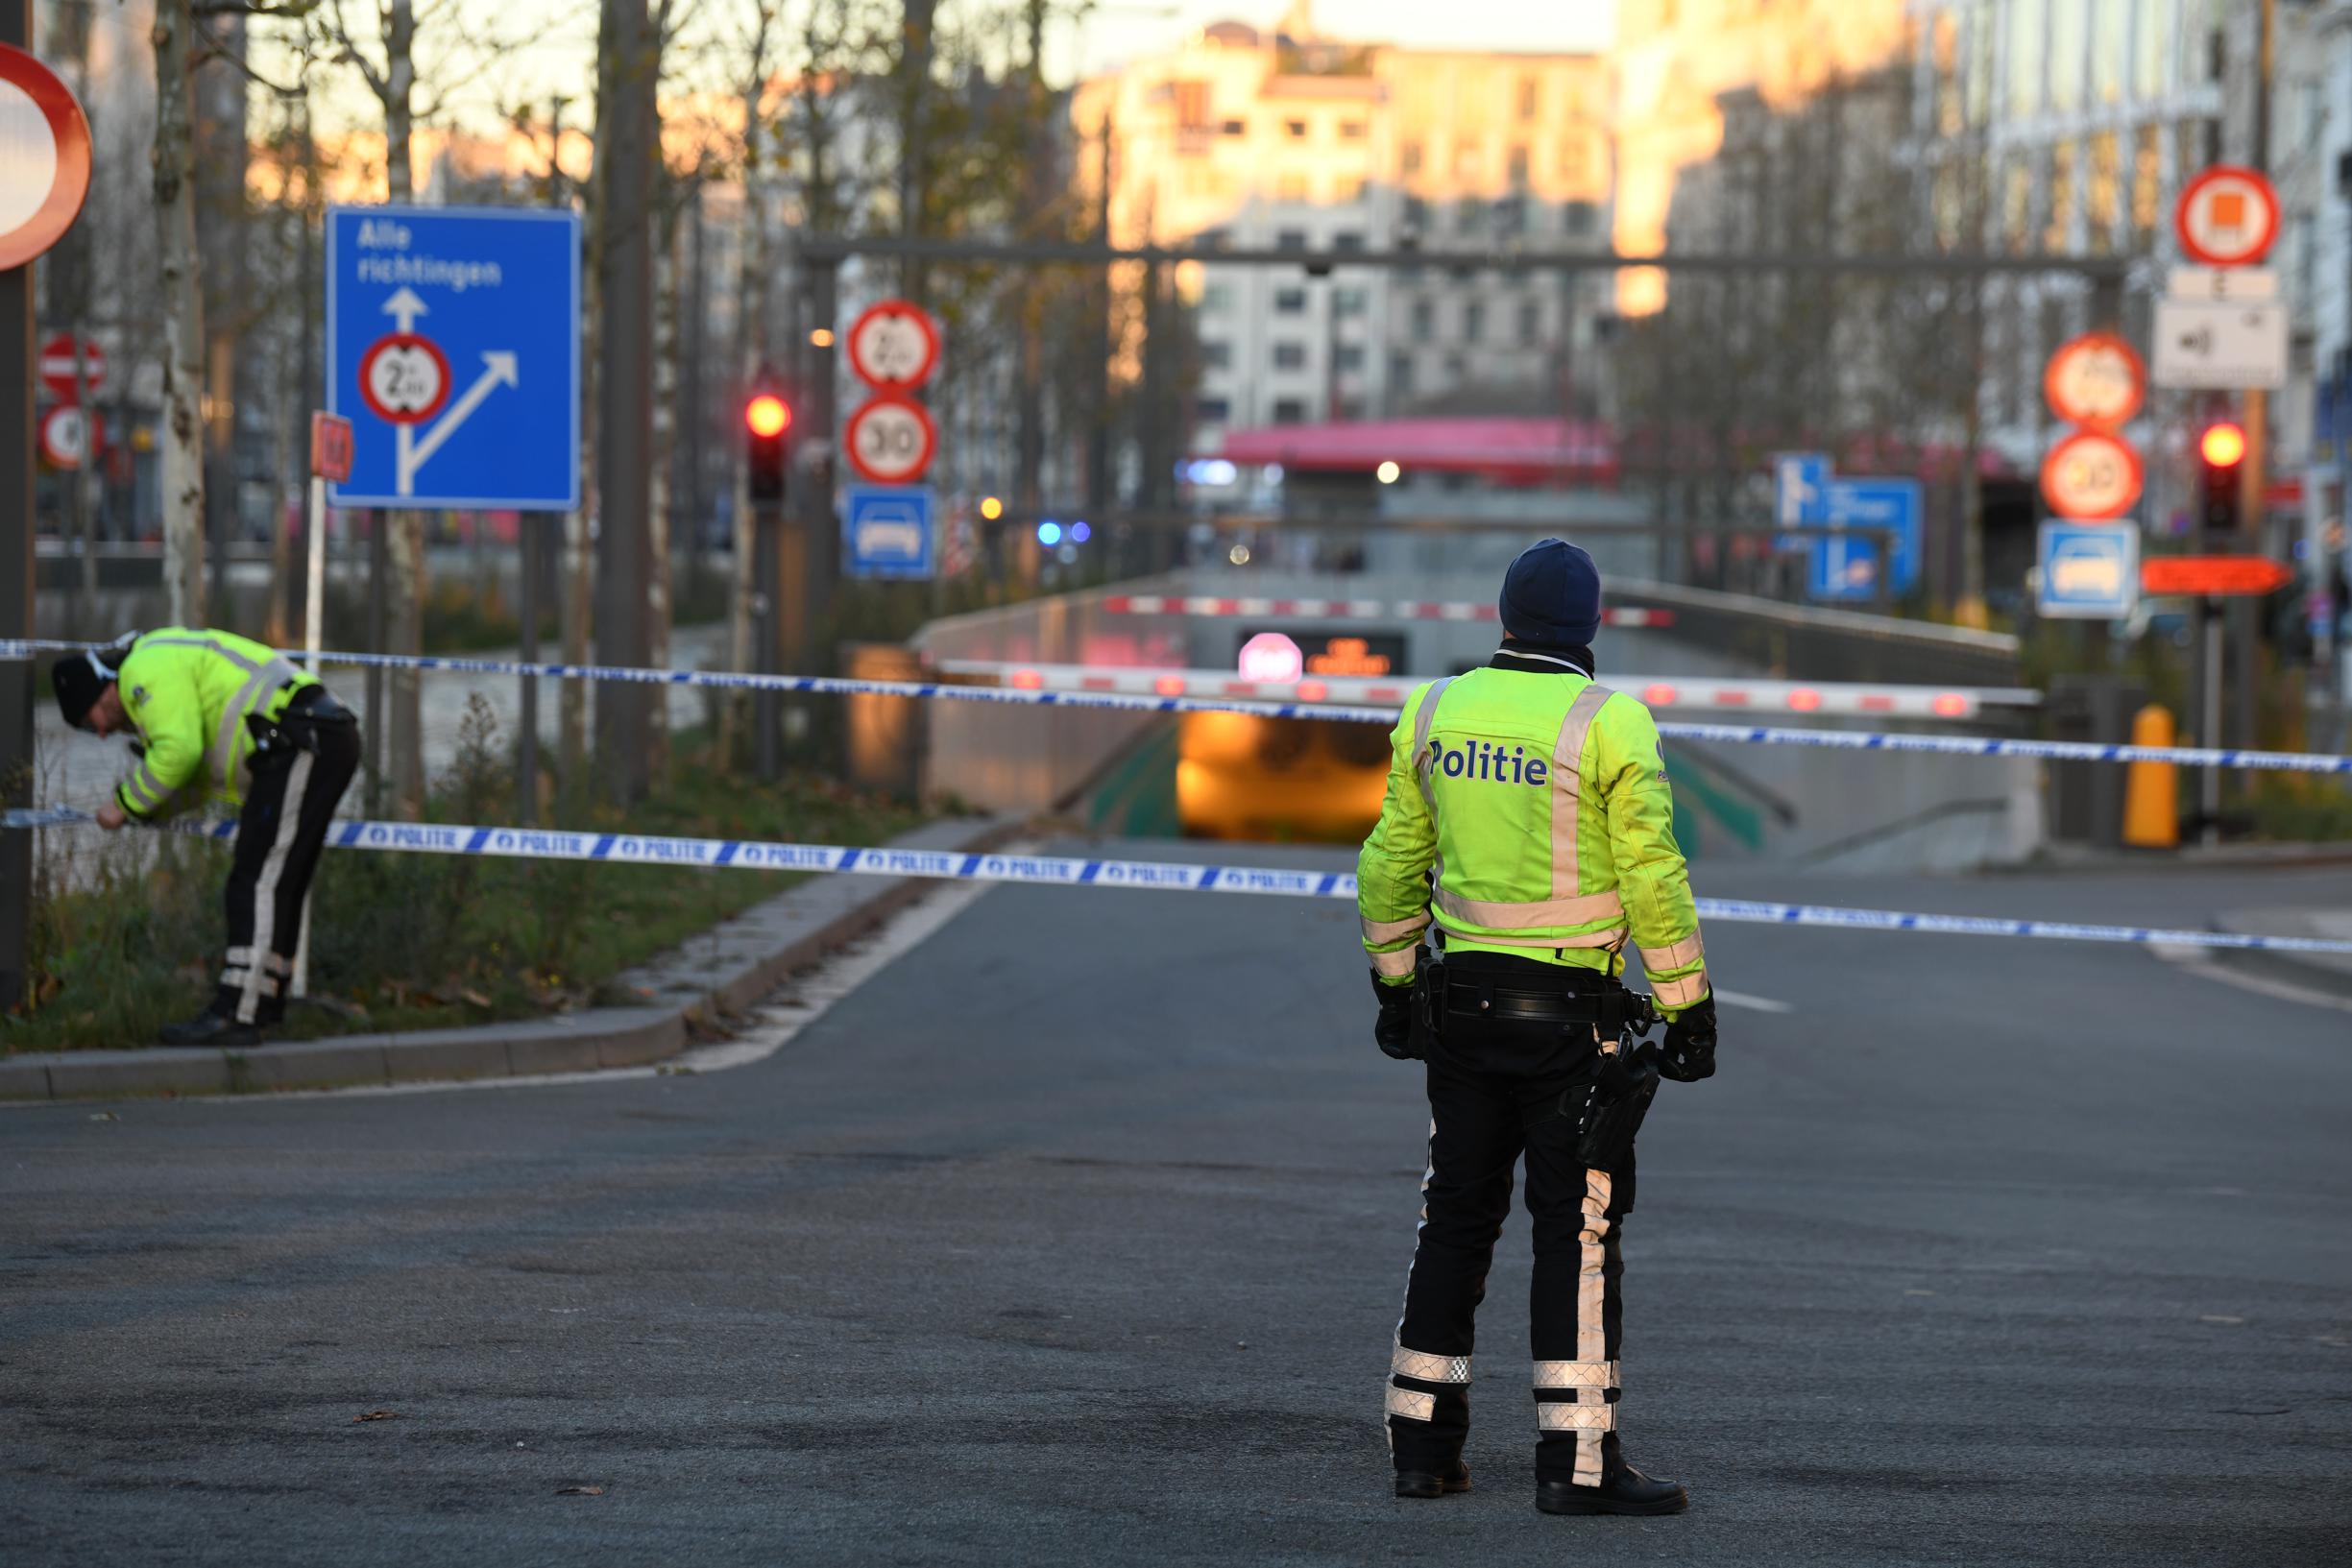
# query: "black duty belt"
1469,997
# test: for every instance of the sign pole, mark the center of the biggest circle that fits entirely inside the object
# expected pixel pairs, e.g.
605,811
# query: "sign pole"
527,600
2209,783
15,584
314,610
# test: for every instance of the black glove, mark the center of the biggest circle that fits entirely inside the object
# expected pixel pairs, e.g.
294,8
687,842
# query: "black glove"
1689,1052
1393,1032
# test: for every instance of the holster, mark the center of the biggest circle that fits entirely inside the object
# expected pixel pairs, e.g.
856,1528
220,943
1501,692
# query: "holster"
1615,1103
1428,1033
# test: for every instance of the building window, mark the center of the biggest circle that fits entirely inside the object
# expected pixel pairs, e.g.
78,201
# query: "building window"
1236,127
2064,170
1352,191
2016,201
2147,183
1401,371
1348,357
1290,411
1290,188
1465,160
1424,318
1296,129
1290,356
1347,239
1473,320
1192,106
1572,164
1215,299
1469,214
1214,239
2108,30
2103,195
2027,56
1416,212
1216,354
1352,129
1348,300
1518,166
1529,96
2152,48
1411,158
1530,322
1579,219
1510,217
1290,301
2067,20
1213,410
1290,239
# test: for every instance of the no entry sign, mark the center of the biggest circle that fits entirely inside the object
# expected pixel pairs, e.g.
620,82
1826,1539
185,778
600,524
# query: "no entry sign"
56,365
45,158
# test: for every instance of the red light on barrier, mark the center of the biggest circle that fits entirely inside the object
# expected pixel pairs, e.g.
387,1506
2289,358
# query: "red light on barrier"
1951,704
1804,699
768,415
1028,680
1659,694
1313,691
1169,685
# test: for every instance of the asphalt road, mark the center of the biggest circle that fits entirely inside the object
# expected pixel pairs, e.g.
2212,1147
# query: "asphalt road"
1078,1236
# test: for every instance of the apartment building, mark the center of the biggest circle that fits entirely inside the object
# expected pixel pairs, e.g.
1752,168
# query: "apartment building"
1292,140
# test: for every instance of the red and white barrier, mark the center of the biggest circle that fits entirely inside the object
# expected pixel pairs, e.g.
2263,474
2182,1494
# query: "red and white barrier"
1154,604
1685,694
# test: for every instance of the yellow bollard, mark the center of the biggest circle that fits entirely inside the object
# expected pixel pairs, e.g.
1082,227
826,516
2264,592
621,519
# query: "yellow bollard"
2151,791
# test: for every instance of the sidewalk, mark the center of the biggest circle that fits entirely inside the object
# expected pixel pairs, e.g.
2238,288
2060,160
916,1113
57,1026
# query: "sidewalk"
2330,971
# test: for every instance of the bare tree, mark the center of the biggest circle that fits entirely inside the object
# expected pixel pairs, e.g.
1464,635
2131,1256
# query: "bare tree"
183,432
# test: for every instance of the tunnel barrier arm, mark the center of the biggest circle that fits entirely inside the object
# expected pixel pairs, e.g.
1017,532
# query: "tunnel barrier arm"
1161,875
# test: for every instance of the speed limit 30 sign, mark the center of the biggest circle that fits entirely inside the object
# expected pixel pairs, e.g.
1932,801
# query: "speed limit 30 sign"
892,439
2091,476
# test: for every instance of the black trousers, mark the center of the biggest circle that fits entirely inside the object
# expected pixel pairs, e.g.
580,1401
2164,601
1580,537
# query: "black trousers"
298,780
1495,1094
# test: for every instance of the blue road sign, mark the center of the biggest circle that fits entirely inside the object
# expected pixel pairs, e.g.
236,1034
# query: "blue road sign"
886,530
453,347
1897,504
2088,571
1841,565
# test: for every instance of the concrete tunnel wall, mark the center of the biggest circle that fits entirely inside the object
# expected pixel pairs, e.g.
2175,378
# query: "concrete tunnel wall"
1866,811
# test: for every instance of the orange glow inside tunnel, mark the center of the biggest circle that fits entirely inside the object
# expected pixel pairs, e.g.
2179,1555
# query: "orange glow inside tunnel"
1240,775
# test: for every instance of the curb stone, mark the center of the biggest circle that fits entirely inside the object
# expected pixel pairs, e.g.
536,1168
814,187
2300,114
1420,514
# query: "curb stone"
724,970
2326,971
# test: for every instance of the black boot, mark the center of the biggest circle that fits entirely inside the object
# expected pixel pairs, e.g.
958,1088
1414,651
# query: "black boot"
1624,1491
211,1028
1433,1483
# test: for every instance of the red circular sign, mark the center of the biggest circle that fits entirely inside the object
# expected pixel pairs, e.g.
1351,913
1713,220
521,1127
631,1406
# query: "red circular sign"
2095,380
894,346
56,365
2090,476
2226,217
45,179
890,440
69,434
404,378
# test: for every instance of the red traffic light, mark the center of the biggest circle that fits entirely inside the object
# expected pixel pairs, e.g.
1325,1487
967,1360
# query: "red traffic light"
768,415
2223,445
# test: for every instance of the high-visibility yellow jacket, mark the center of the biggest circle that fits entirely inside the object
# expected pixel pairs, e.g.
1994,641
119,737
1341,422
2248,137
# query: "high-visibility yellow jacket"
1534,800
189,691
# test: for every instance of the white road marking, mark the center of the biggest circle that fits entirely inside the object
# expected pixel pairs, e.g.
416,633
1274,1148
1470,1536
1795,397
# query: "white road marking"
1756,1004
771,1028
2207,963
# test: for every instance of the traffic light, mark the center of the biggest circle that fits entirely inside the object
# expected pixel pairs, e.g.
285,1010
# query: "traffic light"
2220,453
767,417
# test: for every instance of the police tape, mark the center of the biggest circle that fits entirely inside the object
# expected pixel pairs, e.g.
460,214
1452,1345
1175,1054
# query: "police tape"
1160,875
1942,745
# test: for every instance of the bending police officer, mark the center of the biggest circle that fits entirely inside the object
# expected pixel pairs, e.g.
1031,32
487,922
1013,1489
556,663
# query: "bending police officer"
1528,820
222,717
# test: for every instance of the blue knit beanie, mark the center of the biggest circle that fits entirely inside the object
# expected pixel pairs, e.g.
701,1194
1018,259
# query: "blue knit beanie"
1552,596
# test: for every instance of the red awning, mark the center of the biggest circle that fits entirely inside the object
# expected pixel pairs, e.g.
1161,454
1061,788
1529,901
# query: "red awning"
1522,450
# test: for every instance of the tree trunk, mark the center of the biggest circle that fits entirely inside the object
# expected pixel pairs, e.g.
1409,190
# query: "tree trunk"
183,434
405,586
751,331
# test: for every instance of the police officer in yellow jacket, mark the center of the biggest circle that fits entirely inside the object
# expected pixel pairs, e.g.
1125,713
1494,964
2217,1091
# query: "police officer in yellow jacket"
1528,821
221,718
